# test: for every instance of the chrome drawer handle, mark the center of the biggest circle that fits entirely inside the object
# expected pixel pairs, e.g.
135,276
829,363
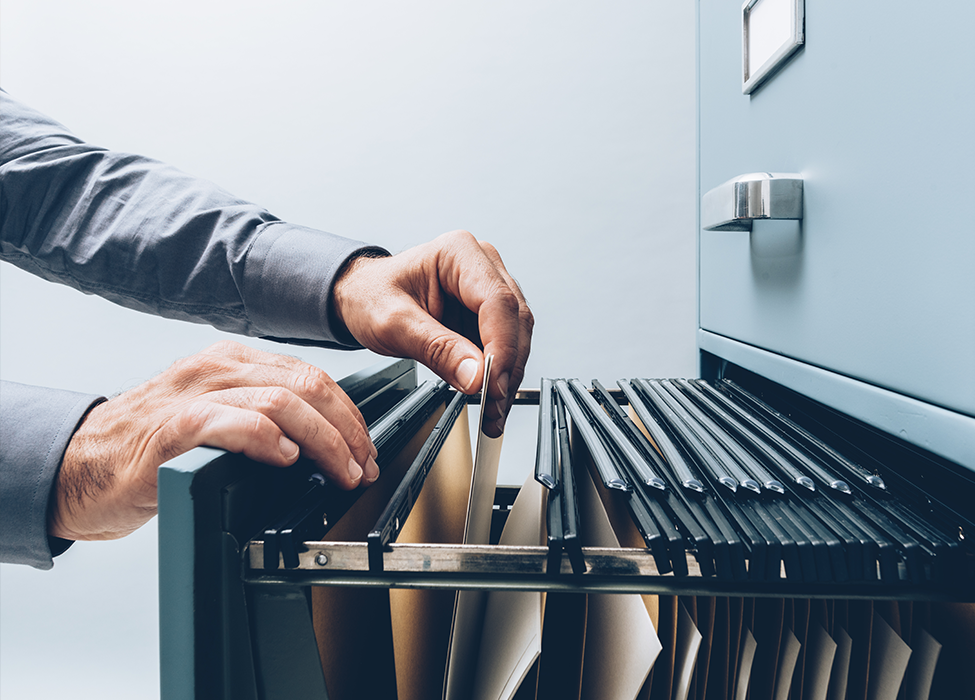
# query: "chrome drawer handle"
733,206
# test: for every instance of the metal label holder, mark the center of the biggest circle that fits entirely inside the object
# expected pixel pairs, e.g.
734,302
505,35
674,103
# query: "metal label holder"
751,80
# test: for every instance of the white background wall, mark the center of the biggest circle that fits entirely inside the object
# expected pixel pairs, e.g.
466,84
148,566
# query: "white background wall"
563,132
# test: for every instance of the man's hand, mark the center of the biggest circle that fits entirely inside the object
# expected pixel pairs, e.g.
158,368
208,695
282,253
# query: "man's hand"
441,303
269,407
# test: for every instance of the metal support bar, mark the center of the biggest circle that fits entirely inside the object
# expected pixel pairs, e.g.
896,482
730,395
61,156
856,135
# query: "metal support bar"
493,567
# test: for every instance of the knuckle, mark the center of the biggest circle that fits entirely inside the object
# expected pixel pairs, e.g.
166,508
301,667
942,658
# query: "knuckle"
193,419
509,303
311,387
358,441
272,399
437,349
332,442
388,322
460,236
489,249
224,347
185,366
257,426
201,367
391,324
196,364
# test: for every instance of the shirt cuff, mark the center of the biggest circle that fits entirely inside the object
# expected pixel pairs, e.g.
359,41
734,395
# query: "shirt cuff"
289,273
36,425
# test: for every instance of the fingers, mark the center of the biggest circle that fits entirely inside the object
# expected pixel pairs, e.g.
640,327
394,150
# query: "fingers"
320,393
271,408
270,425
231,428
302,372
509,375
304,404
450,355
421,304
474,275
397,306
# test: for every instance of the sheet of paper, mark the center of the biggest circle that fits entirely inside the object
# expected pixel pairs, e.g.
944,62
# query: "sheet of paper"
621,642
688,644
421,618
924,660
487,456
468,615
788,657
511,639
889,656
840,673
745,661
820,652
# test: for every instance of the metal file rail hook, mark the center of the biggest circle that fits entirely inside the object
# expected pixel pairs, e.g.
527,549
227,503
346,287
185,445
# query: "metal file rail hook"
735,204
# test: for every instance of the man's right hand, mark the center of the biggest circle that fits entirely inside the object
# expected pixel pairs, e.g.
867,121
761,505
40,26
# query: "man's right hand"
269,407
441,303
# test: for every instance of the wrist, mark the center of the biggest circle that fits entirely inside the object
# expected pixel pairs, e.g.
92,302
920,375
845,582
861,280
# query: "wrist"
85,483
345,291
79,485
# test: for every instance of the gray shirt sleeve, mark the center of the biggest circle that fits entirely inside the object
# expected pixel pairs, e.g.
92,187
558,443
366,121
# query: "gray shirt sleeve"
149,237
35,428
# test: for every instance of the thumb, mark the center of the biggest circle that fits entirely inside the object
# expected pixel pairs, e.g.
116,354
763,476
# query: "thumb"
454,358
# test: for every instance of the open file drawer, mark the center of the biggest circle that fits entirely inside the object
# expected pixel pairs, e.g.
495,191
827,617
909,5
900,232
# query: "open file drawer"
251,618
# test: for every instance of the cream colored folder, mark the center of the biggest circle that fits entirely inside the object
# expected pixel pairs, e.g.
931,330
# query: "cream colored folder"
621,643
511,639
468,614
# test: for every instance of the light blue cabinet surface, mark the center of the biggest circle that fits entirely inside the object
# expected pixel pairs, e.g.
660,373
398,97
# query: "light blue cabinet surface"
876,112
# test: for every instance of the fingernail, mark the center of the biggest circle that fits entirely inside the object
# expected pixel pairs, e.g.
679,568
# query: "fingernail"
373,451
503,384
467,372
355,471
289,450
371,471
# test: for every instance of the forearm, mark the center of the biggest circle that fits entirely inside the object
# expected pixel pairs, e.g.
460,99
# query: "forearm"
149,237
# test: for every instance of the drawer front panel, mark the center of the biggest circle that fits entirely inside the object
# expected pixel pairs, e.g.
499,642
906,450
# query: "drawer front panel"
876,282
